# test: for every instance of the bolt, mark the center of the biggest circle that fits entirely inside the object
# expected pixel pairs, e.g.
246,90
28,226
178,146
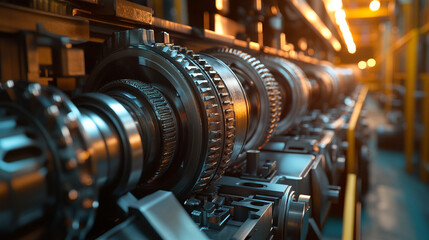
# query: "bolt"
53,111
9,84
71,120
65,139
57,98
35,89
9,89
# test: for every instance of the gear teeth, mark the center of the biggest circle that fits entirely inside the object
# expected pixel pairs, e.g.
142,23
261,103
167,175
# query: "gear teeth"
271,87
213,92
228,115
213,109
165,116
191,68
60,120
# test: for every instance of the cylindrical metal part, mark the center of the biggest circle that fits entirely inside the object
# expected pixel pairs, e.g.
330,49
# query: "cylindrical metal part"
262,91
128,137
295,91
23,175
297,218
252,164
239,98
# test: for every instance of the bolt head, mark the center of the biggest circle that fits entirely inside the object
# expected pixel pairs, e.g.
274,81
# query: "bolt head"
35,89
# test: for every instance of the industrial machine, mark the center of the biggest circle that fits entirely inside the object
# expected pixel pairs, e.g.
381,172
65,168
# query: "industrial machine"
112,127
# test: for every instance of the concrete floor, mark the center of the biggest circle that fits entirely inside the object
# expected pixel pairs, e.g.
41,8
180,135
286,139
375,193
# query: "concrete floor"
397,204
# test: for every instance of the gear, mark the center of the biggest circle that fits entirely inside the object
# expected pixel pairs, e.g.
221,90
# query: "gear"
295,90
270,85
133,55
227,106
23,148
75,188
165,117
124,39
213,113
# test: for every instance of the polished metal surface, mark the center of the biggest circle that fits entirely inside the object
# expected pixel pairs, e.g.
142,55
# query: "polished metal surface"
262,92
239,98
295,91
159,141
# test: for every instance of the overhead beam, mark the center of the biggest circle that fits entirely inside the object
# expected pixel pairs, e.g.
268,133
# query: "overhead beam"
364,13
316,23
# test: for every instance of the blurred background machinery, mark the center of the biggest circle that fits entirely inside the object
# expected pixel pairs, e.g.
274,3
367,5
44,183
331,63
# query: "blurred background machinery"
214,119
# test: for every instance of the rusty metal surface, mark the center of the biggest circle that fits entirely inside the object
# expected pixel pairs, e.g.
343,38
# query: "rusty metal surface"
133,11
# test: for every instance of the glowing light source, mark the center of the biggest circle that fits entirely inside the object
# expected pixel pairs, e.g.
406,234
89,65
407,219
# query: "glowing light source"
352,48
374,5
340,14
371,62
362,65
334,5
311,15
274,10
340,19
337,45
219,5
326,33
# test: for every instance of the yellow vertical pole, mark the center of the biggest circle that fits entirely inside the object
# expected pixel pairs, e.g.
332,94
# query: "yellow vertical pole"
390,57
159,8
178,8
410,106
350,215
389,69
410,81
424,167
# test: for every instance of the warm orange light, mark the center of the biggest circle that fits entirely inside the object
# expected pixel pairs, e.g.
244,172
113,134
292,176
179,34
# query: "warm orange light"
311,15
302,44
283,41
334,5
274,10
371,62
340,19
337,45
258,5
219,5
362,65
374,5
351,48
340,14
326,33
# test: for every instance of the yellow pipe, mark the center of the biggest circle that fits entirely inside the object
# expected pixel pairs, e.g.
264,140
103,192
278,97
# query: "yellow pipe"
159,9
351,151
349,217
178,8
410,86
389,71
361,13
